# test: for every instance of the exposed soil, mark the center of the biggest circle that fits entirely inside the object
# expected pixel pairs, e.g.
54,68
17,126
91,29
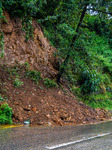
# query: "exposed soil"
44,106
41,105
37,51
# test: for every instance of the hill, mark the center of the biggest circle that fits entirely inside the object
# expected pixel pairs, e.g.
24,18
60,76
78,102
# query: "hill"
27,71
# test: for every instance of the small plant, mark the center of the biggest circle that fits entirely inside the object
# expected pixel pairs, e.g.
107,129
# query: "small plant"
49,83
76,91
1,98
13,71
34,75
1,44
27,27
5,114
26,64
17,82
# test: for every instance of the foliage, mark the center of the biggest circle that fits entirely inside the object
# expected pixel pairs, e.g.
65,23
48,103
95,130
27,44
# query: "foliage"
33,75
1,98
20,8
90,81
89,66
25,10
1,44
17,82
49,83
99,100
27,65
1,33
13,71
27,27
76,91
5,114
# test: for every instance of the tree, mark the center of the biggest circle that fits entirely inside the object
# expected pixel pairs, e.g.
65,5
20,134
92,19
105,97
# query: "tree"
86,5
73,41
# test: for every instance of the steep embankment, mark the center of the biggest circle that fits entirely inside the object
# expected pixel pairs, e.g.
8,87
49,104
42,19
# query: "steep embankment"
43,105
34,101
37,51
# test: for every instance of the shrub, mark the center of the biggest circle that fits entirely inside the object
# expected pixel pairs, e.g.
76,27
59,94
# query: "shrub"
17,82
99,100
49,83
76,91
27,65
20,8
5,114
90,81
34,75
1,98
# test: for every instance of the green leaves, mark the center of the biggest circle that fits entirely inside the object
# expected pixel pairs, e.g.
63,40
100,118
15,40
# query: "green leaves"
17,82
5,114
34,75
1,44
21,8
49,83
91,80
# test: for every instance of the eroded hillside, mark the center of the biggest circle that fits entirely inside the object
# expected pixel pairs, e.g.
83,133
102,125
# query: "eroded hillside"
37,51
32,101
42,105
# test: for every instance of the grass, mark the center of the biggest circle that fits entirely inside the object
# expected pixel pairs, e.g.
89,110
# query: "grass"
99,100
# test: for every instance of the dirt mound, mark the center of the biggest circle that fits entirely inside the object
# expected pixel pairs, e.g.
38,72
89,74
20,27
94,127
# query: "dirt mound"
41,105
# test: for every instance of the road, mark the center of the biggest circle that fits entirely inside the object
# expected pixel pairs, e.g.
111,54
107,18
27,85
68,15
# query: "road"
86,137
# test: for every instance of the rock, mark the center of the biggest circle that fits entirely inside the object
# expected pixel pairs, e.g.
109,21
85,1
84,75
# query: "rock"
27,108
103,119
34,109
16,103
48,116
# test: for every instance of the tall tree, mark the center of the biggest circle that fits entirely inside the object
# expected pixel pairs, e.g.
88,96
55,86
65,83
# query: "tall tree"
86,3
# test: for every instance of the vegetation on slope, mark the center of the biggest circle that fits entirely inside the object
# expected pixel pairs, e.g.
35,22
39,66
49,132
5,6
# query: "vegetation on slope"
39,100
81,30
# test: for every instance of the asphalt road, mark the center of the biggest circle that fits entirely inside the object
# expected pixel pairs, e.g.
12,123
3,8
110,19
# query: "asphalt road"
86,137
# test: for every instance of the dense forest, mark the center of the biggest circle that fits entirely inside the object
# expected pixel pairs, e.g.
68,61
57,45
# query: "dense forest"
81,31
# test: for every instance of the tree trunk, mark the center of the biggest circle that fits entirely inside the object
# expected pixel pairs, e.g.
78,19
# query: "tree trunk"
62,69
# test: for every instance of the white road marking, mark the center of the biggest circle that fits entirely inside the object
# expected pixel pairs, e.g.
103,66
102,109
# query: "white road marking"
77,141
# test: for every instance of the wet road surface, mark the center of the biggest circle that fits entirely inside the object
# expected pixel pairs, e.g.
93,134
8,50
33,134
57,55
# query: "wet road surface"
86,137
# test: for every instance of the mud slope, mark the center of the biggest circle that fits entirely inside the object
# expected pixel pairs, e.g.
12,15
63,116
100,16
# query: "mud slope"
37,51
41,105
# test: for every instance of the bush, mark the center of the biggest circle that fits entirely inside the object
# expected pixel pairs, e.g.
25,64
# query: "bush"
34,75
99,100
26,64
20,8
17,82
49,83
76,91
1,98
90,81
5,114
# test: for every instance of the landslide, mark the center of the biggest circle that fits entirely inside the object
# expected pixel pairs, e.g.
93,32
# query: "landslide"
35,102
